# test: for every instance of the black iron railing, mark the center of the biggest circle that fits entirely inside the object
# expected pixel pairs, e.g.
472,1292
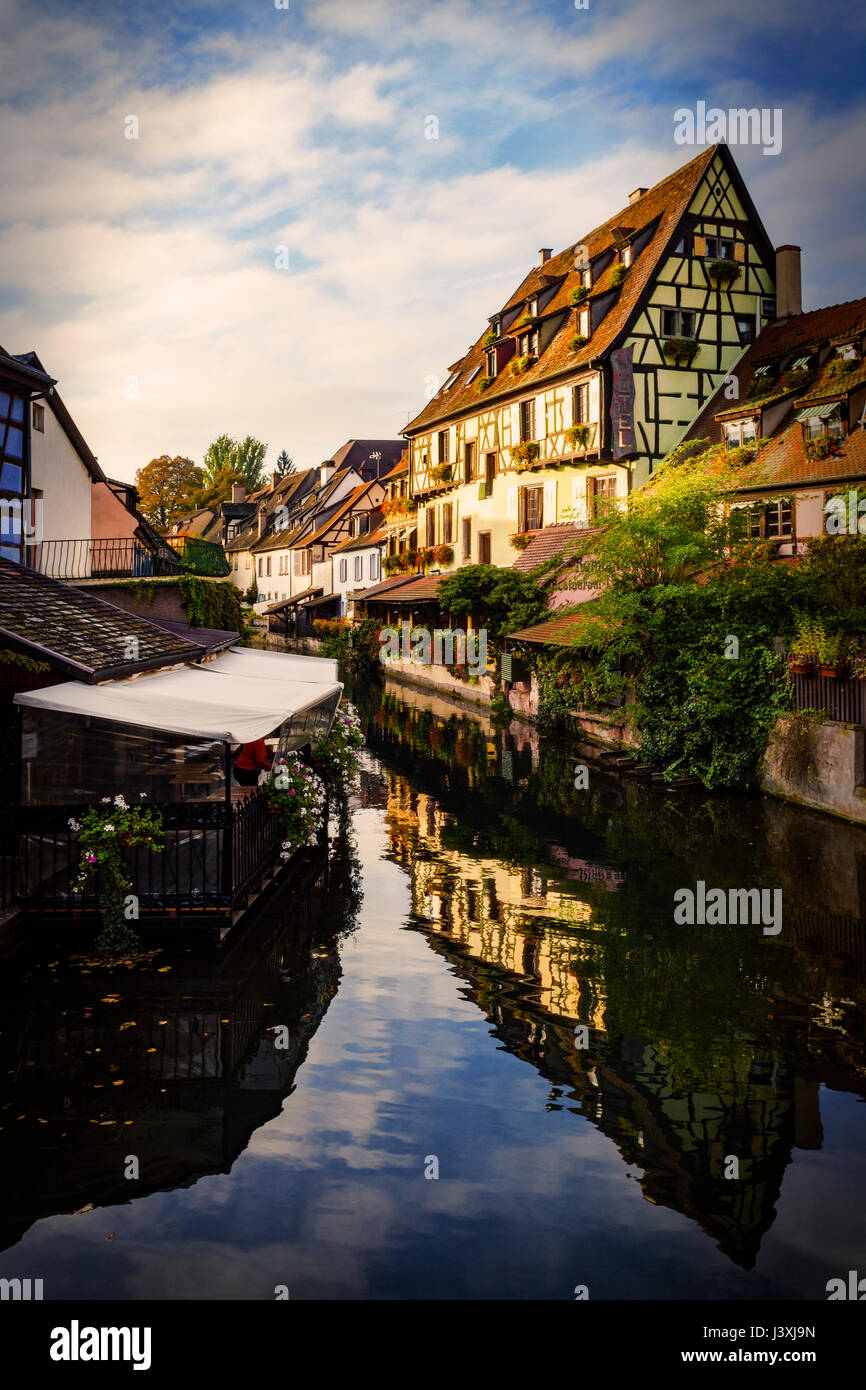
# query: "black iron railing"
200,557
215,859
121,558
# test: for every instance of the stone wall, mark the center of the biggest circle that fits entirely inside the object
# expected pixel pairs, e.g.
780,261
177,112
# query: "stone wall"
823,767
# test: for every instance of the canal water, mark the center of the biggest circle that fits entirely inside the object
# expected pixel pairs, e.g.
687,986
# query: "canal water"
470,1054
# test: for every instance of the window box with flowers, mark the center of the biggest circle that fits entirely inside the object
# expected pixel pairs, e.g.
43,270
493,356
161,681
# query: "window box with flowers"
526,452
618,274
681,350
441,472
521,540
525,320
484,384
839,368
425,555
578,294
795,378
823,447
833,656
521,364
858,668
397,509
577,342
443,554
725,273
489,339
580,436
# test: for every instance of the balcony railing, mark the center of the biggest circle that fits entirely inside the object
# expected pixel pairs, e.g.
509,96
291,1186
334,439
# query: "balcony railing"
121,558
215,860
124,557
842,699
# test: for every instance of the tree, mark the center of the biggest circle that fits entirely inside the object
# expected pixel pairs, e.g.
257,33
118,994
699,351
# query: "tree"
246,458
285,464
168,489
219,488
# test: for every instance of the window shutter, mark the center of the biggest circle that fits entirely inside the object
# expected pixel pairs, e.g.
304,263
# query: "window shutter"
511,504
549,517
452,444
578,500
568,408
740,251
515,424
540,417
700,245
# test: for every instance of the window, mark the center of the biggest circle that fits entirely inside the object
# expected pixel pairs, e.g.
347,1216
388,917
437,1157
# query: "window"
830,423
768,309
583,323
359,567
431,526
601,492
771,521
491,362
268,571
447,523
39,418
467,540
527,420
261,567
625,256
848,352
484,548
489,471
745,330
361,524
12,474
532,307
495,324
530,511
302,562
586,278
373,567
580,403
442,438
740,432
678,323
468,462
343,571
719,249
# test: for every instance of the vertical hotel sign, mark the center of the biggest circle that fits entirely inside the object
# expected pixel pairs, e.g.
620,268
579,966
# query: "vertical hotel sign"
622,403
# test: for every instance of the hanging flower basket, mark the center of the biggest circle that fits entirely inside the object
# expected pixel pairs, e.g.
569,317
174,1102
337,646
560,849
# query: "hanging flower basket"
525,453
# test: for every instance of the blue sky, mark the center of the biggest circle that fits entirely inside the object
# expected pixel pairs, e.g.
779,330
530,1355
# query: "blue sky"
144,271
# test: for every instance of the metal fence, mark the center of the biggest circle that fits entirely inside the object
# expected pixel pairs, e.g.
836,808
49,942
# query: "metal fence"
842,698
121,558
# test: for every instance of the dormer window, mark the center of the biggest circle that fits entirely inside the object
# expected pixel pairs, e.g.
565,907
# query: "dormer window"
625,256
583,323
823,419
532,307
527,344
847,352
586,278
495,325
739,432
491,362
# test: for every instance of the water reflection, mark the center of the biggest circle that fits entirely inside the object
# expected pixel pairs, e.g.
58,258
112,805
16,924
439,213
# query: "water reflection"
684,1045
175,1063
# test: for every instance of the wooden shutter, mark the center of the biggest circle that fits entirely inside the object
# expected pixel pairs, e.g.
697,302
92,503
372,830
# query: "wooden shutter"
511,503
549,514
700,245
515,424
540,417
740,251
578,500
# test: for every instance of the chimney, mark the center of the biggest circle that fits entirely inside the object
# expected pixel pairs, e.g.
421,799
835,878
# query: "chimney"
239,492
637,195
276,479
545,253
326,471
789,299
261,521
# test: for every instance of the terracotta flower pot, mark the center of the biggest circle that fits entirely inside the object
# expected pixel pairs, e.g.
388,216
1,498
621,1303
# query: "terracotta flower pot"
834,672
801,667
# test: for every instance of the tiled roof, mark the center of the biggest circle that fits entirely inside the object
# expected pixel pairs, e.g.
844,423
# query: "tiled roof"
400,468
388,585
418,590
784,336
557,632
341,511
356,452
80,633
363,542
660,209
290,602
547,543
782,462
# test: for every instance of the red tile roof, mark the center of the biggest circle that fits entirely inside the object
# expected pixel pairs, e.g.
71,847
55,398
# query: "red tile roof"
363,541
782,462
660,209
558,632
550,541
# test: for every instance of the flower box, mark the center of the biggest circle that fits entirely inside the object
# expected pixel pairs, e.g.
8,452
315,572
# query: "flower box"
525,453
837,671
577,342
578,294
727,272
682,350
618,274
800,666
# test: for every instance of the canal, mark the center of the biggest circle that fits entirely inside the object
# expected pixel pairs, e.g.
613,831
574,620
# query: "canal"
470,1054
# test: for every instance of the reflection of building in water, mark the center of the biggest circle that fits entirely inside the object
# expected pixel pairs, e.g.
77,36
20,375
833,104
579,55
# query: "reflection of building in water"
545,949
178,1068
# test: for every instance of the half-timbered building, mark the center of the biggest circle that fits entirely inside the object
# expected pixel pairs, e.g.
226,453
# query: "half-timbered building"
594,368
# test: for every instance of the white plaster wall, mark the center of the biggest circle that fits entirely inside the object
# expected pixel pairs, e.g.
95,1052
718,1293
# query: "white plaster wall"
65,483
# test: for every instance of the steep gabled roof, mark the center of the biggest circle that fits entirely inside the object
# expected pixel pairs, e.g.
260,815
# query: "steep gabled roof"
66,422
656,214
363,542
547,543
784,463
79,633
341,512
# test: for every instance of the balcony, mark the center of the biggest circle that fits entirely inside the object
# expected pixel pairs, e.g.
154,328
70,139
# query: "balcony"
124,557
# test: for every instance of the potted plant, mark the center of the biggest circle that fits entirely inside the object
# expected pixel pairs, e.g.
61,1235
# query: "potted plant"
803,649
521,540
832,655
294,792
682,350
489,339
578,294
521,364
725,273
858,668
822,447
577,342
795,378
441,472
443,554
579,436
103,833
525,320
839,367
618,274
483,383
525,453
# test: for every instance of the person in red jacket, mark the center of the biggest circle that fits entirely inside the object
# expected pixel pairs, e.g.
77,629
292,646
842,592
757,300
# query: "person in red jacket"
250,761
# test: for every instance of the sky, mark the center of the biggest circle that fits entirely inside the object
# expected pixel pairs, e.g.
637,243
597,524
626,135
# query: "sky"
326,201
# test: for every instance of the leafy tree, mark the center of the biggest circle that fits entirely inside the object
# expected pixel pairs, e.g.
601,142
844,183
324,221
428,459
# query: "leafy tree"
502,600
246,458
219,488
168,489
285,464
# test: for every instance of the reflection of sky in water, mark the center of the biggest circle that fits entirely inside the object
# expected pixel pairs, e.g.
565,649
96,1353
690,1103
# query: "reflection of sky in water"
330,1199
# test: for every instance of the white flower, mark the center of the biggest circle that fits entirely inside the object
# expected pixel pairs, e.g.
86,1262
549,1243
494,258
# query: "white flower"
141,794
105,800
119,801
108,828
73,824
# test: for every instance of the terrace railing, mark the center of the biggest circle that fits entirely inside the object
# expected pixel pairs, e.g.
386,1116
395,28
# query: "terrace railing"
200,557
841,698
121,558
215,860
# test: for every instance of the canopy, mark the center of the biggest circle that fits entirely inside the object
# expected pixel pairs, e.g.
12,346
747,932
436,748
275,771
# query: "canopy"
818,412
205,702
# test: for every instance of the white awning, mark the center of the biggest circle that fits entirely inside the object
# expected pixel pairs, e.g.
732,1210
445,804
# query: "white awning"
280,666
199,701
